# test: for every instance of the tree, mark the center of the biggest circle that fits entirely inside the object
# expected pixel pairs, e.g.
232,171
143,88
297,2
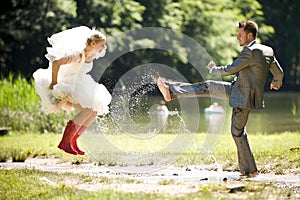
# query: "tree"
25,26
283,15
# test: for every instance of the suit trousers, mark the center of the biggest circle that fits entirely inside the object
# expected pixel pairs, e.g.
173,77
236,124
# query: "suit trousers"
222,90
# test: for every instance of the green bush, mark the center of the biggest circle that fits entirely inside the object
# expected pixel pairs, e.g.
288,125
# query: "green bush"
20,108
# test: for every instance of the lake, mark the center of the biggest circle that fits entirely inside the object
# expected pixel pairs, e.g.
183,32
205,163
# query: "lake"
281,113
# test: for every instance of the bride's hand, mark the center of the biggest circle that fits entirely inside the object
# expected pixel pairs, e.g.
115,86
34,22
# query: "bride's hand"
52,85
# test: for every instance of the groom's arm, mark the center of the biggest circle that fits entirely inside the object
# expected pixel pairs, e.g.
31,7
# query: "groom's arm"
277,73
238,64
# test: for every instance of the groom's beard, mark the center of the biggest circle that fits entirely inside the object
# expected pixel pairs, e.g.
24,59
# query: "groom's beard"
246,42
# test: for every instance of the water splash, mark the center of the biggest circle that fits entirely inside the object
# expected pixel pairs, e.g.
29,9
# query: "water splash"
130,134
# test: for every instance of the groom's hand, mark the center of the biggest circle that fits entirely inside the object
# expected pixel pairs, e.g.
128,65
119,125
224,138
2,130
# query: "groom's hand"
211,65
274,87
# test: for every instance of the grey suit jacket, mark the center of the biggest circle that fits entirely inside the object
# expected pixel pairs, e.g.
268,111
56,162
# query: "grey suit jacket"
251,67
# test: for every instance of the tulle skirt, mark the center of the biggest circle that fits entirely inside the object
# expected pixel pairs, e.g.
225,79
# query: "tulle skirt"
77,88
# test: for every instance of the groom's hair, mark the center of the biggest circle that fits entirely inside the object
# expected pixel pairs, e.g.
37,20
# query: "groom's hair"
249,27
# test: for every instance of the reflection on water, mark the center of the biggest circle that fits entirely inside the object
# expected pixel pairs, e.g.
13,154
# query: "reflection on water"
281,113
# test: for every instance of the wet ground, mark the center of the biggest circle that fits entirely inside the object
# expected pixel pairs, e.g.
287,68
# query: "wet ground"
169,179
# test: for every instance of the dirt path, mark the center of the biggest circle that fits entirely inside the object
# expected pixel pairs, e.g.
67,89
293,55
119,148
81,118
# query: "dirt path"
168,180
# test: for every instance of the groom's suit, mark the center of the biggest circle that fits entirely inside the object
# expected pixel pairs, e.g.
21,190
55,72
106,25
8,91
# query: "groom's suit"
252,67
245,93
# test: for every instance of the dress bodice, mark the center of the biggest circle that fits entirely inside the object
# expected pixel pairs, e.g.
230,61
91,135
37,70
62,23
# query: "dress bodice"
86,67
74,69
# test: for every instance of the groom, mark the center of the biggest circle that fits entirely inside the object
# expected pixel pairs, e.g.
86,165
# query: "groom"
245,93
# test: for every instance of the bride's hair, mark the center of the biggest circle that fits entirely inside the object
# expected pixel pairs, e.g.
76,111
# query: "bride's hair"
96,36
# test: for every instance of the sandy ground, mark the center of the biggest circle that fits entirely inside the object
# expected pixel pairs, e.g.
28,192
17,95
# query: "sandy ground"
168,180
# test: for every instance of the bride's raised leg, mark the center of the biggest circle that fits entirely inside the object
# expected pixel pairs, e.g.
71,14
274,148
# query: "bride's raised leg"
69,133
84,118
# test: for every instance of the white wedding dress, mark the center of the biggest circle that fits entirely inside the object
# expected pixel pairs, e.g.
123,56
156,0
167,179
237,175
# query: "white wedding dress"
74,84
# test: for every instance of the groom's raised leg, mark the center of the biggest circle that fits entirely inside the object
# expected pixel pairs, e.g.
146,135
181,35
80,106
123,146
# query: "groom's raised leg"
164,89
211,89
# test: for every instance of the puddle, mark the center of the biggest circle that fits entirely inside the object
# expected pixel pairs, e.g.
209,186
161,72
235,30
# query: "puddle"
180,174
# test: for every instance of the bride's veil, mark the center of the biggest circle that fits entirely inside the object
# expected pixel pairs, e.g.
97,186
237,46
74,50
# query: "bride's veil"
68,41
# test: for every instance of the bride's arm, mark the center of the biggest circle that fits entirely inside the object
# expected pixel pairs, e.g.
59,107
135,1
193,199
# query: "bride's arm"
75,57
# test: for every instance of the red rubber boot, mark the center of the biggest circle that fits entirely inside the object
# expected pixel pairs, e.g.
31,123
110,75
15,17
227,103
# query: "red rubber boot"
69,133
74,140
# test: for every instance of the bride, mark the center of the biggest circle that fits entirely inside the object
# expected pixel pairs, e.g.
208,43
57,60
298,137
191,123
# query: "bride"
65,84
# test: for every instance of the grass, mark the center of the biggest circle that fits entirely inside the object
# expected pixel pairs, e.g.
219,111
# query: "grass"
272,151
20,144
17,93
272,155
34,184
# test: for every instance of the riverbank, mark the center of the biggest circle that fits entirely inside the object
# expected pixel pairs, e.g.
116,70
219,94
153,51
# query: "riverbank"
169,182
191,176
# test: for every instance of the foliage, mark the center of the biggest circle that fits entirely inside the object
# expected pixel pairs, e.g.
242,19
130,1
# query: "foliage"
27,24
213,24
282,16
110,15
17,94
20,107
69,6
